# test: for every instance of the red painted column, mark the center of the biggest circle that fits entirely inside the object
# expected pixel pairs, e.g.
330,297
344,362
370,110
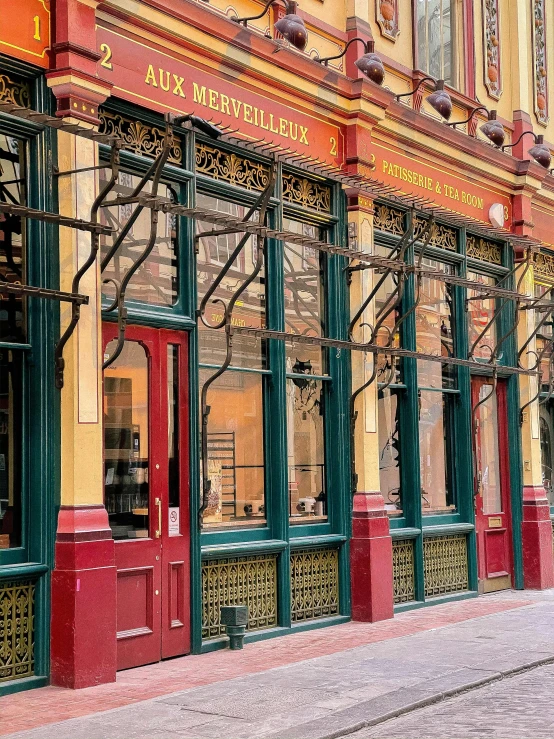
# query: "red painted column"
536,534
83,637
371,559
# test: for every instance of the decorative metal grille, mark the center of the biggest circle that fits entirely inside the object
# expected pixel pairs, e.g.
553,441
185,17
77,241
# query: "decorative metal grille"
403,570
388,219
442,236
543,266
234,581
140,138
492,39
445,565
17,633
307,193
486,251
314,583
540,62
221,165
14,92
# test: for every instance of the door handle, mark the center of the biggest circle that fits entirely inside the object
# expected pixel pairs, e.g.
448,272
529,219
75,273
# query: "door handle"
158,503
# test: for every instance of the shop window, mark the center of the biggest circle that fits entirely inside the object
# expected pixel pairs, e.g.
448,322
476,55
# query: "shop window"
389,450
480,311
436,382
213,254
546,430
126,441
306,373
12,330
156,280
235,450
435,451
434,322
436,34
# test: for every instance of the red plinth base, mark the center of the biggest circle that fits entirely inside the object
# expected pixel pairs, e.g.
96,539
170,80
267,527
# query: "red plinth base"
83,641
536,535
371,559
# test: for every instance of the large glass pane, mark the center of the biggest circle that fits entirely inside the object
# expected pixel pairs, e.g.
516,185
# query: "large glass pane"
12,237
479,313
235,450
155,282
389,451
434,324
435,411
435,38
214,252
11,373
306,451
173,439
488,462
126,442
304,309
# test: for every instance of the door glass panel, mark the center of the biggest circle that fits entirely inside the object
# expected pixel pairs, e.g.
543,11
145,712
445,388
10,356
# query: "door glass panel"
173,438
155,282
126,443
11,373
546,451
437,495
306,451
235,450
12,237
487,450
249,310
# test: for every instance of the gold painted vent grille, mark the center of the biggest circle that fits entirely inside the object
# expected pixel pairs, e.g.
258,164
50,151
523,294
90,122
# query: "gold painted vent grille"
445,565
314,583
17,630
233,581
403,570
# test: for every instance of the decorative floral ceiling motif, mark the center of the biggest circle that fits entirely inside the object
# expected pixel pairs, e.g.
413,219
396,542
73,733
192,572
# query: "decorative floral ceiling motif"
386,13
493,81
539,51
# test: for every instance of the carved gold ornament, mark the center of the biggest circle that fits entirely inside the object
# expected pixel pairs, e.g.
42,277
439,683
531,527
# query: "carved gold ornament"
138,137
306,193
12,91
236,170
486,251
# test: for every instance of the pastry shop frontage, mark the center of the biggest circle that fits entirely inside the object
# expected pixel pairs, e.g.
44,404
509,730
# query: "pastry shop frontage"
297,384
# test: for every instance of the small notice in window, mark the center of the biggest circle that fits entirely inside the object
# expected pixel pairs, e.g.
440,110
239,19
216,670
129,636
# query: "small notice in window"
174,529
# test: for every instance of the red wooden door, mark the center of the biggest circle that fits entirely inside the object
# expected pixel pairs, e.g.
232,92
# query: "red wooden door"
146,492
492,485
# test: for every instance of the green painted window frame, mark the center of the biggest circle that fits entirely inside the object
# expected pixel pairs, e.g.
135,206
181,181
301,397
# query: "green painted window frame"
412,524
41,440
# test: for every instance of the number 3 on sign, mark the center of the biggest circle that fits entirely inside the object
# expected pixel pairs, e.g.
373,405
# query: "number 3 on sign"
333,142
105,49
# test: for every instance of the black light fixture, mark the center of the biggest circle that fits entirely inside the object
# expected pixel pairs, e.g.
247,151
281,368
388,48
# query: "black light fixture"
540,152
291,26
492,129
440,100
200,123
370,63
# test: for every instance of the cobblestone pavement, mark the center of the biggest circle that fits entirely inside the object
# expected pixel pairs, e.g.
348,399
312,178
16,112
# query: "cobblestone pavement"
519,707
309,685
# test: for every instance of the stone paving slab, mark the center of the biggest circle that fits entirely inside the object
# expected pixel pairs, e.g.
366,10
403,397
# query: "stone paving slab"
328,695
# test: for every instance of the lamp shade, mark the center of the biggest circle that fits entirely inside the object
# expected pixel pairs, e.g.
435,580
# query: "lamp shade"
440,100
372,66
541,153
494,130
292,28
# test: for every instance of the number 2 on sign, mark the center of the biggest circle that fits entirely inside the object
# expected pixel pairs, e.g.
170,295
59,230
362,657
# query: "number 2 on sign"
105,49
36,21
333,146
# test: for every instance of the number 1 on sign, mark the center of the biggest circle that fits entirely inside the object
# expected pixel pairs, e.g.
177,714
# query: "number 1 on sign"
36,21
